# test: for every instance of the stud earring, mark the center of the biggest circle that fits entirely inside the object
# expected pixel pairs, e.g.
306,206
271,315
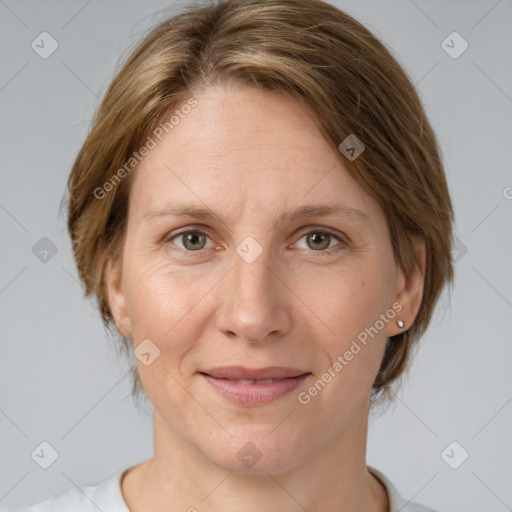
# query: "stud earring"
400,324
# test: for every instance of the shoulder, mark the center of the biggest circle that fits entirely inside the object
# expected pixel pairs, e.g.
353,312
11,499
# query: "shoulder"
105,496
396,502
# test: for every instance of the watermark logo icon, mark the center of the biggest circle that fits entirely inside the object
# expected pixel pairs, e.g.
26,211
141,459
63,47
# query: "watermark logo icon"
249,455
454,45
351,147
44,45
454,455
44,250
146,352
459,250
44,455
249,249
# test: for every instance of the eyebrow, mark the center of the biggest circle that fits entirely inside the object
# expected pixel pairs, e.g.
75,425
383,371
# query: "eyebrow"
304,212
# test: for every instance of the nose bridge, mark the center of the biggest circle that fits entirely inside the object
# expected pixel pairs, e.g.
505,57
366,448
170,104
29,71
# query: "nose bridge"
252,297
253,279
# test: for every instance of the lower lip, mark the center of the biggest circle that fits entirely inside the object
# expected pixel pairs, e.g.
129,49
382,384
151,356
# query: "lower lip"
254,393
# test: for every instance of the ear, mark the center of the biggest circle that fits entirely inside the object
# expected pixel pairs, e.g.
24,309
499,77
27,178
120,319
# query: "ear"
116,297
409,290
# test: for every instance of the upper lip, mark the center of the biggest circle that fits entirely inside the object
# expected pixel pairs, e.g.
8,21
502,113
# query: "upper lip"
241,372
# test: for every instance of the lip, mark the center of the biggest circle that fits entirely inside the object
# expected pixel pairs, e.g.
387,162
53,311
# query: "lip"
226,380
242,372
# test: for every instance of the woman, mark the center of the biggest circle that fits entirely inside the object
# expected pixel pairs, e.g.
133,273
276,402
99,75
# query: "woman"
261,210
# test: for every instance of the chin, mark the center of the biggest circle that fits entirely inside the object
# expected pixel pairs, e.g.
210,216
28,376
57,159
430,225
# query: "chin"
256,450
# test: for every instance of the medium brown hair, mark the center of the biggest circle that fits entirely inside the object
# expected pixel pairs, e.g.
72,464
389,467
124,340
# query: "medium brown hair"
311,52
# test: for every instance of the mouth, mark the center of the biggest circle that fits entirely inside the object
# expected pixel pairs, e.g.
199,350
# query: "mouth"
246,386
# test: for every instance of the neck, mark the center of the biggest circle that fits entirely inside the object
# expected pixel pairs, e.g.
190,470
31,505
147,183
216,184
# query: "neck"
180,477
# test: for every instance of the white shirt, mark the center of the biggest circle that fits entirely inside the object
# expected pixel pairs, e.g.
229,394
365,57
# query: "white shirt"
107,497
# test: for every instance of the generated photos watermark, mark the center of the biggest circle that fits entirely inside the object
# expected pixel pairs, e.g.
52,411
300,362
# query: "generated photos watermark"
151,143
304,397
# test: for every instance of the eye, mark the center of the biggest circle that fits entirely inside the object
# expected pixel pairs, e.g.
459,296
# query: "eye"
195,240
192,240
320,241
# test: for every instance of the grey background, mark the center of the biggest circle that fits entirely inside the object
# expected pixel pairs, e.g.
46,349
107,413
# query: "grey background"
59,379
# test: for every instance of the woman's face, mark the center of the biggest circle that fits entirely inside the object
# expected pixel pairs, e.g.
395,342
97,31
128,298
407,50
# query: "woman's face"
256,276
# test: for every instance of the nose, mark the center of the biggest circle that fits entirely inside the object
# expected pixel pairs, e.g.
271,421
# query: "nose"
254,301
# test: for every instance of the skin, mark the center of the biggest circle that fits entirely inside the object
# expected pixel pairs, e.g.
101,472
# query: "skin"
251,156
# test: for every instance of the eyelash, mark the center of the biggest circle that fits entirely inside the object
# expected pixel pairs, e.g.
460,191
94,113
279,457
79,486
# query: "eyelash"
200,253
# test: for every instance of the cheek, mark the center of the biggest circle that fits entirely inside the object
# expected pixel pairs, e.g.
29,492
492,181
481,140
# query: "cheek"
351,306
348,299
168,306
159,296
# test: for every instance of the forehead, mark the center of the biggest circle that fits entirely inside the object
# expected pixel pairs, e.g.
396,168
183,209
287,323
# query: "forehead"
244,149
